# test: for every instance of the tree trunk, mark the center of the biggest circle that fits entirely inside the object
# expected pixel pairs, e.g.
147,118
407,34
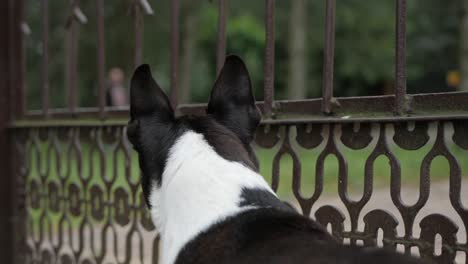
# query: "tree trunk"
188,50
464,47
297,51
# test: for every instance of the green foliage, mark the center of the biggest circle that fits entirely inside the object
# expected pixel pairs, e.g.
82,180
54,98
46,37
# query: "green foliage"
245,36
433,42
365,45
364,53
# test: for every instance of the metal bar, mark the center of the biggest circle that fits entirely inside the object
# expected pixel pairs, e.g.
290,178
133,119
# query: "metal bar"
10,228
175,10
6,28
221,41
138,30
16,59
101,56
72,43
350,108
120,119
269,72
387,119
329,56
45,57
400,66
16,102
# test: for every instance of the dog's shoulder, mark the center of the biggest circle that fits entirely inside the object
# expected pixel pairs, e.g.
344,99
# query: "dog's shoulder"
255,236
273,236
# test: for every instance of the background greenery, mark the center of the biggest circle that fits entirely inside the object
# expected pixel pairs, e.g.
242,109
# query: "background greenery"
364,62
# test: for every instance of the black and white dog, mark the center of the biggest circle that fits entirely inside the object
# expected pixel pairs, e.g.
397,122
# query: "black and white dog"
201,183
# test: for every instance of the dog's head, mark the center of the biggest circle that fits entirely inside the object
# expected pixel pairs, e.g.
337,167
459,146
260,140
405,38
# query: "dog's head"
229,125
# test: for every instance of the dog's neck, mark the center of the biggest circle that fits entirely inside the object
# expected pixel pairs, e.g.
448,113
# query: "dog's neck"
198,188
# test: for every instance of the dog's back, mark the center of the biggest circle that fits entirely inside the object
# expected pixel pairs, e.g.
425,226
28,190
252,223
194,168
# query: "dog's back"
274,236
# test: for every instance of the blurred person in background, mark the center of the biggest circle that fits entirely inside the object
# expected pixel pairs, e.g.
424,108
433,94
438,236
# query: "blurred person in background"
116,93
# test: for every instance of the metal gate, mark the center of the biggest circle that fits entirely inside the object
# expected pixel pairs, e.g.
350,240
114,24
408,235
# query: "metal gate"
60,205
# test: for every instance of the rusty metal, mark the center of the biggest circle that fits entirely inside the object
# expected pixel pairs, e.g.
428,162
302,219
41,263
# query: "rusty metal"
75,196
16,58
45,57
352,109
6,244
101,56
11,86
72,58
137,7
138,33
67,147
329,57
175,10
65,119
269,68
400,64
221,40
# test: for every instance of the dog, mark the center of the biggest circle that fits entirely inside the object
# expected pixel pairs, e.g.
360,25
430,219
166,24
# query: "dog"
201,183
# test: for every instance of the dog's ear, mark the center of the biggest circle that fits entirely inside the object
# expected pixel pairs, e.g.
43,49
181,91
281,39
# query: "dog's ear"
147,98
232,102
150,127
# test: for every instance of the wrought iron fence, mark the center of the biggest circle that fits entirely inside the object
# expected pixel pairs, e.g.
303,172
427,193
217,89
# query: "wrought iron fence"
74,187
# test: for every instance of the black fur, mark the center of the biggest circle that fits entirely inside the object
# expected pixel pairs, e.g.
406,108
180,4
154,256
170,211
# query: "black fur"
223,141
277,237
152,139
151,129
229,126
232,102
263,198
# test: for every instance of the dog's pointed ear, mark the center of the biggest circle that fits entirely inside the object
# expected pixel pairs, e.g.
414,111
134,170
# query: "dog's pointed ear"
232,102
146,97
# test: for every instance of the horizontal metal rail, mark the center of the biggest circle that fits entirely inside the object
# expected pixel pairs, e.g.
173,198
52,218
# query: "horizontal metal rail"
424,106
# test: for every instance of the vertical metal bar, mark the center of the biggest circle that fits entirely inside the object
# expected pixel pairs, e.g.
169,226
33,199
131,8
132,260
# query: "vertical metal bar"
221,42
17,102
10,69
101,56
72,43
45,57
16,57
400,67
269,72
175,8
329,56
138,30
7,11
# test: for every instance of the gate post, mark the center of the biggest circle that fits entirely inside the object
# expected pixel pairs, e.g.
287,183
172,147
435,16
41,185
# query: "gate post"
11,89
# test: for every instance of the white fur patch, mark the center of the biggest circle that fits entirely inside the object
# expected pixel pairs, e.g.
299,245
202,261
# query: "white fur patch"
199,188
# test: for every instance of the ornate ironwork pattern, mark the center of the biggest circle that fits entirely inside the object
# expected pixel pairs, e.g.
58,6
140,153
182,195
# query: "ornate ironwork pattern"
84,204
